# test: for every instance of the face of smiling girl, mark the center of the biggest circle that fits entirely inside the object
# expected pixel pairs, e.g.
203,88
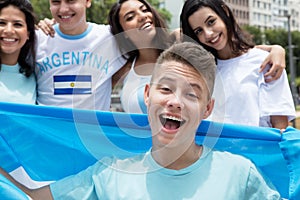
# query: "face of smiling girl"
137,22
13,33
210,30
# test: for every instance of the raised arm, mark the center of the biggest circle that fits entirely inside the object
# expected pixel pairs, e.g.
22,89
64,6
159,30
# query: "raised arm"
276,59
42,193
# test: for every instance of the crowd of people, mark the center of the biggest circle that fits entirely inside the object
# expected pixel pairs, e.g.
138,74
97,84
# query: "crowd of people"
78,63
177,78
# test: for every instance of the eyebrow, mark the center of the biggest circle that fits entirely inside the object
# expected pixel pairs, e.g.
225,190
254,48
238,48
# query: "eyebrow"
131,12
193,85
210,16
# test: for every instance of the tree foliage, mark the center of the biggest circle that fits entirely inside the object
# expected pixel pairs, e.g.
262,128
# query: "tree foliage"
41,8
256,33
97,13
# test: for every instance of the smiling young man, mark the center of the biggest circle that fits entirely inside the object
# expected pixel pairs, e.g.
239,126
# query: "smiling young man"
178,98
75,66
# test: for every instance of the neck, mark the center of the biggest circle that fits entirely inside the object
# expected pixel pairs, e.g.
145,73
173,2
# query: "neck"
148,55
145,62
10,59
177,158
76,31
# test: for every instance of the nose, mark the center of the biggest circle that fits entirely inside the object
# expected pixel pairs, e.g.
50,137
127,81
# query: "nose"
208,32
9,28
142,16
174,102
63,6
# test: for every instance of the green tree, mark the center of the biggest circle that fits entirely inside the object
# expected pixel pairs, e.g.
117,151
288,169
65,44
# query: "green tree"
280,36
41,8
165,14
97,13
99,10
256,33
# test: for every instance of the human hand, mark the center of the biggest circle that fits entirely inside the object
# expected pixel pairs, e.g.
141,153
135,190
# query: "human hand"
46,25
276,61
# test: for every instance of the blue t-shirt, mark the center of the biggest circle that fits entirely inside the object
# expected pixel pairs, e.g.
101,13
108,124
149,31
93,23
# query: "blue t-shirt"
216,175
16,87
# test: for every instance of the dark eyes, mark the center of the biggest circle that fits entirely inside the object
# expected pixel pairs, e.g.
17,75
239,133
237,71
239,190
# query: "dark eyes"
131,16
16,24
166,90
209,23
197,31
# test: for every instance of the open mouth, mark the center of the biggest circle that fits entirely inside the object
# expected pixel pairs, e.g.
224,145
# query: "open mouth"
8,40
64,17
215,40
171,122
146,26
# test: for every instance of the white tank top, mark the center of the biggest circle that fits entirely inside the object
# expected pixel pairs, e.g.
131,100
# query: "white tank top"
132,94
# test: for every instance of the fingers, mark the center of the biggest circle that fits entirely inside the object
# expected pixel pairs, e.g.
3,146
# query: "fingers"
276,66
46,26
273,74
282,130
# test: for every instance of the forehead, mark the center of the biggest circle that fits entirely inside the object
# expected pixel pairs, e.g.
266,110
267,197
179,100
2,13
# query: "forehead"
12,12
130,5
201,15
178,71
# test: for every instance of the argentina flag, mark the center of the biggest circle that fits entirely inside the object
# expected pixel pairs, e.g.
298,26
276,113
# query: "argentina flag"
72,84
50,143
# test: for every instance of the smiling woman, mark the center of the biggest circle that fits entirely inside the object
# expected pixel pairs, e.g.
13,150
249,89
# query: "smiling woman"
211,24
17,55
142,36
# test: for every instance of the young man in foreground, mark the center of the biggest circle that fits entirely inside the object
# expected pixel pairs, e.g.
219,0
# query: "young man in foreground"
177,99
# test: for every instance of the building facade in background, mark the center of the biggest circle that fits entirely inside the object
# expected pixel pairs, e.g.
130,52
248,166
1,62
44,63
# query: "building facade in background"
264,14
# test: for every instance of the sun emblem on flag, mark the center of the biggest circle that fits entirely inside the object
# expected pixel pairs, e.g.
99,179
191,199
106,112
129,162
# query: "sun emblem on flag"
72,84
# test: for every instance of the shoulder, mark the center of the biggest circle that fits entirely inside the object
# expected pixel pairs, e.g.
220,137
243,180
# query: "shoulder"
231,160
100,27
258,52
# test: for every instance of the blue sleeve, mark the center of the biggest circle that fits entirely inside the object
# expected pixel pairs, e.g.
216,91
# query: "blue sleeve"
81,185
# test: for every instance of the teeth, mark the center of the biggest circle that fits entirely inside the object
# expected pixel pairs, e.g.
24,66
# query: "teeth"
8,39
214,40
172,118
65,17
145,26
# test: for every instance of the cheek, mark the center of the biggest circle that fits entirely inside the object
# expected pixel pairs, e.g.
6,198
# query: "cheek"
201,38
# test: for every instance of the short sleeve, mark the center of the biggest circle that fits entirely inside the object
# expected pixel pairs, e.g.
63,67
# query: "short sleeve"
81,185
275,98
258,187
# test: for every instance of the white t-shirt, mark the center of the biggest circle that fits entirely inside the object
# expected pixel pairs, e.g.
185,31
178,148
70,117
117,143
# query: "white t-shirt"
216,175
75,71
243,97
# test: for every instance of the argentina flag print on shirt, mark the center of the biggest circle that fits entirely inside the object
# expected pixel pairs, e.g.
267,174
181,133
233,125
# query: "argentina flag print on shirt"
72,84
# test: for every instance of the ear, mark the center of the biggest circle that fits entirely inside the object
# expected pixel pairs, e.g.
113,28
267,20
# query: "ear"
209,108
146,94
88,3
